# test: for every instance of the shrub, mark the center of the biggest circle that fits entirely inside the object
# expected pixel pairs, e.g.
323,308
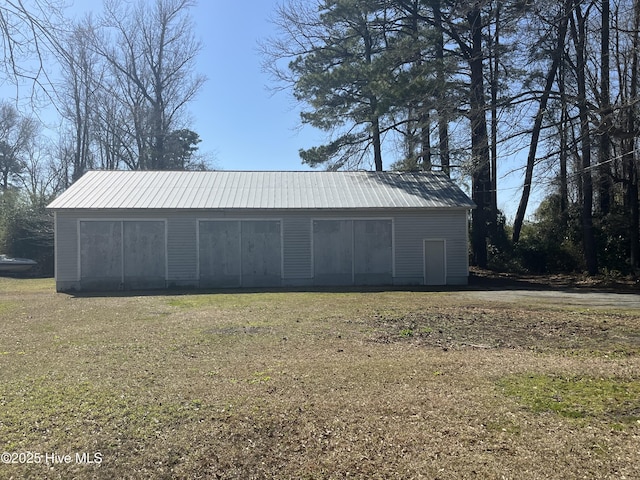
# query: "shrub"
26,230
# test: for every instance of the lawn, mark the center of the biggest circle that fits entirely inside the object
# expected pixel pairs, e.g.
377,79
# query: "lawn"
314,385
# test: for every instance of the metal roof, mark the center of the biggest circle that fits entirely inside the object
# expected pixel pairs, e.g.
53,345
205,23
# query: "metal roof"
261,190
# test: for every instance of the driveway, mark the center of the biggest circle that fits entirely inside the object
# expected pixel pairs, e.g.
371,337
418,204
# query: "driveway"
585,299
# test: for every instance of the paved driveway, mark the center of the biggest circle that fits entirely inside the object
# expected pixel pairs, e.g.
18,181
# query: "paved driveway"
586,299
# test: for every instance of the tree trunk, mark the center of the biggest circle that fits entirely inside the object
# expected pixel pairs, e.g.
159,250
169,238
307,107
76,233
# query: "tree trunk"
425,140
443,124
495,65
633,209
564,147
537,125
604,169
481,171
631,172
588,236
377,147
443,146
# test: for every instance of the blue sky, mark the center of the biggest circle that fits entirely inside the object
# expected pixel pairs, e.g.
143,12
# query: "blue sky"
244,124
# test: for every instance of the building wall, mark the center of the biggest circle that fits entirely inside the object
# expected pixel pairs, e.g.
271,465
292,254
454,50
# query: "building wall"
358,255
448,226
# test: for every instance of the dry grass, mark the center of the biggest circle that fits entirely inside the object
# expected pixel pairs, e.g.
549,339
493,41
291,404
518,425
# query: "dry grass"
316,385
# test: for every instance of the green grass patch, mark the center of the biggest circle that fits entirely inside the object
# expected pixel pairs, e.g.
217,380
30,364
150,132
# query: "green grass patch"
7,306
129,430
611,352
273,384
222,300
577,397
406,332
27,285
58,412
240,299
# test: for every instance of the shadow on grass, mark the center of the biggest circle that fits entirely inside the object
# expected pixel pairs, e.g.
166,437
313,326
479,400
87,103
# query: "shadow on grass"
479,281
486,280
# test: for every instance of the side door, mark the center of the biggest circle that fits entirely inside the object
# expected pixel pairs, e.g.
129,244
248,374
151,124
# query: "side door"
435,262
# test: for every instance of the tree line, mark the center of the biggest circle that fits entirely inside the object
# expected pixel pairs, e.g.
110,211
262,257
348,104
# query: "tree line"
119,84
458,86
408,85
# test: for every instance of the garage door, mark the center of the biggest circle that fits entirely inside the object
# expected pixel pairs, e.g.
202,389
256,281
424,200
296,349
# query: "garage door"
144,255
234,253
352,252
373,252
219,254
333,252
122,254
261,253
101,255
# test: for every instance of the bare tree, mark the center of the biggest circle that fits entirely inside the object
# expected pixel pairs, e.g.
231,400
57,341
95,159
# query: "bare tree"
30,31
151,53
16,135
40,176
83,74
550,78
579,34
629,72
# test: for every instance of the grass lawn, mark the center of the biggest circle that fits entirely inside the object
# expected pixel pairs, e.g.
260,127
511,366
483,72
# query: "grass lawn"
314,385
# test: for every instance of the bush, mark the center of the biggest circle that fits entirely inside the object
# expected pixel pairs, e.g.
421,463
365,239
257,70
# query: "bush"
540,255
549,244
26,231
612,232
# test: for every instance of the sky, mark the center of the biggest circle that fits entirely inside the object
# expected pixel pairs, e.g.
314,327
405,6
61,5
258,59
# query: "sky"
241,121
244,124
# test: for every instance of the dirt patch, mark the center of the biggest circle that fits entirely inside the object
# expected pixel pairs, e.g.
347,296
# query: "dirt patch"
596,333
237,330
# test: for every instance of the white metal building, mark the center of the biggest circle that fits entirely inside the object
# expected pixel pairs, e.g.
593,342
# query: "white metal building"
119,230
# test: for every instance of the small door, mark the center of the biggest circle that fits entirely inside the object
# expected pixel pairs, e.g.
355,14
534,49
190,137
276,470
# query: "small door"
435,262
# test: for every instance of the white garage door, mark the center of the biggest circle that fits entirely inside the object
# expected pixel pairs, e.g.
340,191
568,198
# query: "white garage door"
122,254
353,252
234,253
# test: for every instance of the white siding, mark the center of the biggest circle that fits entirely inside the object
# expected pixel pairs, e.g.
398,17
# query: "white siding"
66,255
181,247
410,229
410,232
297,252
